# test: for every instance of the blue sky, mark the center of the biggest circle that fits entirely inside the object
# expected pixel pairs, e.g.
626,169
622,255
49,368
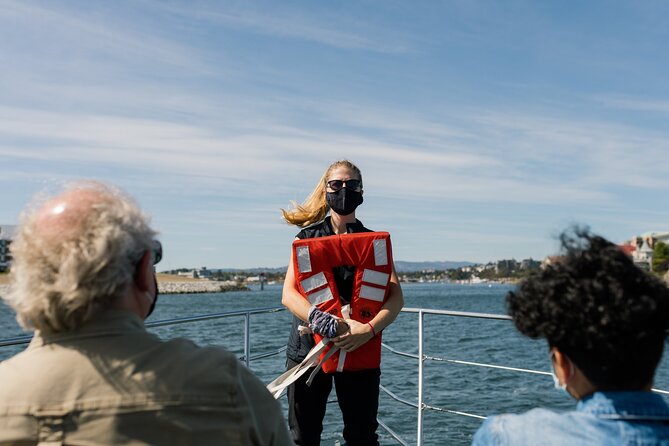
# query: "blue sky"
482,128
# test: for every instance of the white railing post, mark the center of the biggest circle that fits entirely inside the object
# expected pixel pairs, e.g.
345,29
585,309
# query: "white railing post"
419,430
247,339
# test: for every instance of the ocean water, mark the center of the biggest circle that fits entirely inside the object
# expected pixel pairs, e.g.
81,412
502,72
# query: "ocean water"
457,387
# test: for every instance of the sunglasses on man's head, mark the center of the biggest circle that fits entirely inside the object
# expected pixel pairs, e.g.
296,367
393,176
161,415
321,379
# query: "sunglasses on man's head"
336,185
157,251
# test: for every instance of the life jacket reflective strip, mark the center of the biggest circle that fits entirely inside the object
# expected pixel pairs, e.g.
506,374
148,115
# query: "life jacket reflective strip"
371,254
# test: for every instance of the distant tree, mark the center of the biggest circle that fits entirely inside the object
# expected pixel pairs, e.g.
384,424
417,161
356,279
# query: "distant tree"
222,276
660,257
458,274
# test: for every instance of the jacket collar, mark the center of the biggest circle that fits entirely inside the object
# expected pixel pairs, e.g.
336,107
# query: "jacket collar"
109,322
356,226
625,405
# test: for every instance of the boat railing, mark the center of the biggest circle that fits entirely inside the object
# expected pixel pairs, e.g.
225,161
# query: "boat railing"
420,405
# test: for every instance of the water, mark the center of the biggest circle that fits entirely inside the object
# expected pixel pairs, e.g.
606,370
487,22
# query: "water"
475,390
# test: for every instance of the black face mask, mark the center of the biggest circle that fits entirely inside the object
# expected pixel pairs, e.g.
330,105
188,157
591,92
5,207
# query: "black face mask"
344,201
153,304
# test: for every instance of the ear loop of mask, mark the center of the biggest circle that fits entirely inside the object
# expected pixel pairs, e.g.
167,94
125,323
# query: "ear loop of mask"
155,298
155,282
556,381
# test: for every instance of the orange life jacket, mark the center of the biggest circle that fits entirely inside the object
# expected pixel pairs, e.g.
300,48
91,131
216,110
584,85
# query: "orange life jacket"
371,254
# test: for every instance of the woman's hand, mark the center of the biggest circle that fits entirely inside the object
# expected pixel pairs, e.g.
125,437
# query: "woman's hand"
342,327
358,335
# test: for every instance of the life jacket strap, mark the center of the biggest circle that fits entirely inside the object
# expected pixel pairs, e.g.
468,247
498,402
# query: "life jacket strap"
277,386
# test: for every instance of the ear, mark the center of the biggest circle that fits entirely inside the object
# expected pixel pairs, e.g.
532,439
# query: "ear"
144,272
564,368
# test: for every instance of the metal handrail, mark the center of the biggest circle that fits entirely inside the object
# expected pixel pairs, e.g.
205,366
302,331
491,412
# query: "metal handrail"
21,340
502,317
420,357
17,340
206,317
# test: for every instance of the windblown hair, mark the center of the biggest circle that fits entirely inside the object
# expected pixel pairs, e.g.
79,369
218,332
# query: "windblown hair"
315,207
60,282
608,316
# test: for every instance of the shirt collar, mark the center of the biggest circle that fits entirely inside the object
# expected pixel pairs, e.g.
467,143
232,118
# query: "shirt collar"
625,405
356,226
109,322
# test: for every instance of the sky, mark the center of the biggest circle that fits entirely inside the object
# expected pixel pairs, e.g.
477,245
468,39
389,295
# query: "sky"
482,128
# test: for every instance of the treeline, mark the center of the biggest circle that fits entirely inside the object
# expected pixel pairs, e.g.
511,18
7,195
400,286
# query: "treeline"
500,270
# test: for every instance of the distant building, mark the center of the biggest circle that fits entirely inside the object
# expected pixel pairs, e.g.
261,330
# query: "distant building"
657,236
505,266
6,235
628,249
550,260
530,264
643,255
204,273
191,274
640,247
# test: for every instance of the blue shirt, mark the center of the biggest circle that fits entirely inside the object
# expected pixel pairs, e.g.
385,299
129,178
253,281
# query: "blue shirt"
603,418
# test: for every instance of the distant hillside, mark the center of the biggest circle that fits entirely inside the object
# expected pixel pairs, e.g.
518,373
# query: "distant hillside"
410,267
401,266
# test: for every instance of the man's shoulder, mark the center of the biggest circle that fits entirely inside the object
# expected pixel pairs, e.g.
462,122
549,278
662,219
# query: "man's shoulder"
147,375
214,361
177,358
547,427
212,366
213,370
537,426
12,365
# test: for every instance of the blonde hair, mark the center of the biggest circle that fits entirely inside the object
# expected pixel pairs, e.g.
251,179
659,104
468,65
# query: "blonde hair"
60,281
314,208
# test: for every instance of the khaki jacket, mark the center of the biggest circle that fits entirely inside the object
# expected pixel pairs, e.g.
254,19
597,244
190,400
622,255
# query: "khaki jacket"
112,382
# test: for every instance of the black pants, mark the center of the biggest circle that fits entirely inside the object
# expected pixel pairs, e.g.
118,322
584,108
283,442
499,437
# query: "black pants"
358,397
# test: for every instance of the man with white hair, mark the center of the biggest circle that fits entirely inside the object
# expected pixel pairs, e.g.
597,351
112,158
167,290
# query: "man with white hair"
84,281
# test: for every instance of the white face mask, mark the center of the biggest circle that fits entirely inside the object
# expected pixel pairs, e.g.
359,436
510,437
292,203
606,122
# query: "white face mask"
556,381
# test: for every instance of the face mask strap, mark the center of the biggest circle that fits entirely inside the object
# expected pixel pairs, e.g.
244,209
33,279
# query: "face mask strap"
556,381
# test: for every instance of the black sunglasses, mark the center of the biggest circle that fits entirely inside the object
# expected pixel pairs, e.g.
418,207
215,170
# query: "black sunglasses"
157,251
336,185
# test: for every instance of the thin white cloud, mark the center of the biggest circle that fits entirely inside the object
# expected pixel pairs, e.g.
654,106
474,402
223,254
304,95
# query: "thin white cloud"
598,152
660,106
193,107
102,134
51,31
579,160
333,30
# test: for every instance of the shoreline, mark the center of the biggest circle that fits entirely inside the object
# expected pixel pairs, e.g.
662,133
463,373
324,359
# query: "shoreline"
182,287
200,287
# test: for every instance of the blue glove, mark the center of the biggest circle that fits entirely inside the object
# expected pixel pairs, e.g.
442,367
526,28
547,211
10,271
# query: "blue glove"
322,323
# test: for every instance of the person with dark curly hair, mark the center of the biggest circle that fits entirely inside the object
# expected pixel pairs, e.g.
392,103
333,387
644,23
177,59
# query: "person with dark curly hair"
605,322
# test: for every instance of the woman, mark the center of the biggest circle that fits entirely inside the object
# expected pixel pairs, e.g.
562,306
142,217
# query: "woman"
340,191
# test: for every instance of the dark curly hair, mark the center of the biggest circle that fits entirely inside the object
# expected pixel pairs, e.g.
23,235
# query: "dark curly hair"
608,316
